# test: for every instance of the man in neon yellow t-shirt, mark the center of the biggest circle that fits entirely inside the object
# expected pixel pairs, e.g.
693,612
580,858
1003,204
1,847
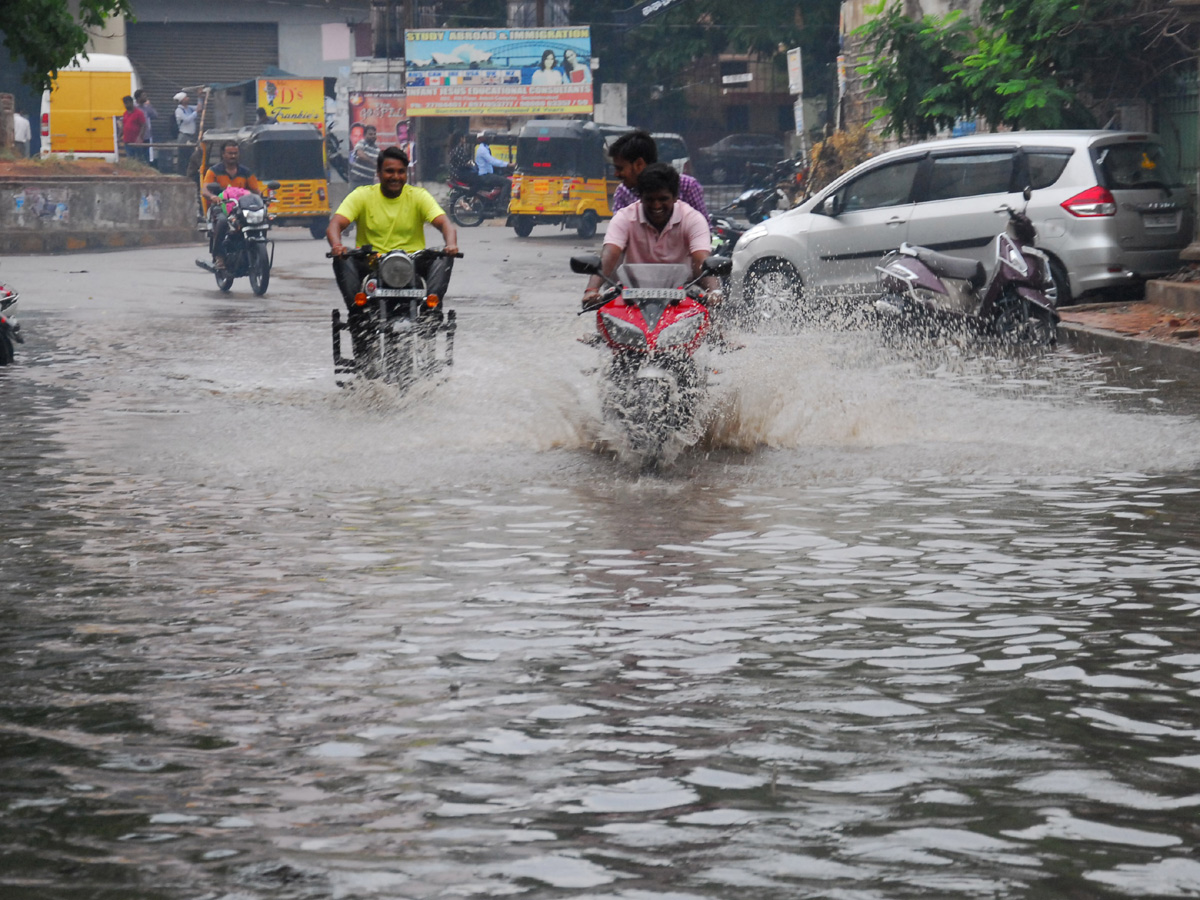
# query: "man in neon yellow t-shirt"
389,216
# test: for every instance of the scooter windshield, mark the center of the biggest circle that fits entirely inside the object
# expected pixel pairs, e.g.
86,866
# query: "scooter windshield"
654,275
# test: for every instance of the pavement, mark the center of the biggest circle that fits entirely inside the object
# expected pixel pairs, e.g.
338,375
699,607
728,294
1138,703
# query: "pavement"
1162,329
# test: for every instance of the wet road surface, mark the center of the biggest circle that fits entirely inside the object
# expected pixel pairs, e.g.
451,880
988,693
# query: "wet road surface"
900,627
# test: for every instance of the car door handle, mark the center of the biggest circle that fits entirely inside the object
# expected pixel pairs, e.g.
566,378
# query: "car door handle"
895,221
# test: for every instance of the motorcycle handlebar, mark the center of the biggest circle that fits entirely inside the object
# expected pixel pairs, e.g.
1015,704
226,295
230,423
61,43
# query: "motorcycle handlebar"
366,250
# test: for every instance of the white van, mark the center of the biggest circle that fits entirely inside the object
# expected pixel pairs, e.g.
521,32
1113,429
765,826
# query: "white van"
78,110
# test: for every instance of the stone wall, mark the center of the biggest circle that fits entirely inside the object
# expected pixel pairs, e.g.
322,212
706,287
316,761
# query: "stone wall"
46,214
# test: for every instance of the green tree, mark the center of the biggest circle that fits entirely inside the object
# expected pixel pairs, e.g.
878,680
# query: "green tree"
44,35
1025,64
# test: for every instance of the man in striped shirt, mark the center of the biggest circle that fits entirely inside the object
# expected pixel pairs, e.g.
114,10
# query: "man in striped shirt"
630,154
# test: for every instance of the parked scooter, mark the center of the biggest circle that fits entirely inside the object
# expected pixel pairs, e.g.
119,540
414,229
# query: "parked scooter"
468,205
1016,302
10,331
395,322
246,246
653,319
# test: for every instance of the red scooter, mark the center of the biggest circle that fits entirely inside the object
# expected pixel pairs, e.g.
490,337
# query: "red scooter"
653,320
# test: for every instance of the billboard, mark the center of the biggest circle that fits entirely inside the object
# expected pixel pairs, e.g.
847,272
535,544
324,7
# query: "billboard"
386,111
294,101
498,71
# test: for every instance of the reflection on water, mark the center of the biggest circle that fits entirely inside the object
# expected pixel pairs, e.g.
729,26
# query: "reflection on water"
903,629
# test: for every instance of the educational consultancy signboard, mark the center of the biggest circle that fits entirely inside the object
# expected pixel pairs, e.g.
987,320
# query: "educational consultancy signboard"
498,72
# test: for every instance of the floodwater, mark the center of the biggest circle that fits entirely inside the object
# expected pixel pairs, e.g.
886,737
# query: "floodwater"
902,627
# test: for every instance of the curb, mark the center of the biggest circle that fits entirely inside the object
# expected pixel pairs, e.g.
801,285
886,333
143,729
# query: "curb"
1137,349
92,241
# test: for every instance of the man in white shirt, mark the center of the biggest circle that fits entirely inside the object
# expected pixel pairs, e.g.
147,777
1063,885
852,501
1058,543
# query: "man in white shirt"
187,121
22,134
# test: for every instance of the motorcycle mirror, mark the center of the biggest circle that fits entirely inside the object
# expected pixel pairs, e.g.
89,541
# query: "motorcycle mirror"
1027,193
718,265
586,265
273,185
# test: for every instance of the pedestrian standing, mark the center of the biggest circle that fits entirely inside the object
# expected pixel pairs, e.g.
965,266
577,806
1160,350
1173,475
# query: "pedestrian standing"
364,157
143,101
22,134
133,130
187,120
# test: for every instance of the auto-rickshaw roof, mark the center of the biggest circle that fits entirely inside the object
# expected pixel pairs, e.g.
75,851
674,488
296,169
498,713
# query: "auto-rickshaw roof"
274,132
559,128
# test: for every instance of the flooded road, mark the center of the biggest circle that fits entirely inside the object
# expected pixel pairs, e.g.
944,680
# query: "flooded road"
902,627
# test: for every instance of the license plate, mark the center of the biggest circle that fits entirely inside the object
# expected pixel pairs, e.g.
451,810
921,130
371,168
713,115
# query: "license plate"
653,293
402,292
1161,220
540,187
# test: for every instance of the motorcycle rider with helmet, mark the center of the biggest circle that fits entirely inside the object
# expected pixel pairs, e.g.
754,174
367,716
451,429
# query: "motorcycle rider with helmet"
390,215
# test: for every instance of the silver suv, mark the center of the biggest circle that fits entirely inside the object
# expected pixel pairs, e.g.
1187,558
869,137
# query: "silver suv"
1108,208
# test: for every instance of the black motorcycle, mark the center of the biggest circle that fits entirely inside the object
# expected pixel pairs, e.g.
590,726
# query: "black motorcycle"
10,331
247,252
395,322
770,187
469,204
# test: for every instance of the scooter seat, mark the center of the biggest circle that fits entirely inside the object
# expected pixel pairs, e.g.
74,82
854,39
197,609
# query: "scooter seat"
970,270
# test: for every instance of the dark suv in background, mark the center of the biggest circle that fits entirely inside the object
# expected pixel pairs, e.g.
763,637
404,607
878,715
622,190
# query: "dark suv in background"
725,161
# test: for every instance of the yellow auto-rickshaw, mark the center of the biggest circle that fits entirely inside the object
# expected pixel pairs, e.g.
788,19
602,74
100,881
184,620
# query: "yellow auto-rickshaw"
562,177
293,155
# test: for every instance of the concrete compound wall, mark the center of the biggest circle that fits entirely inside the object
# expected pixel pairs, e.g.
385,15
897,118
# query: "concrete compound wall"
62,215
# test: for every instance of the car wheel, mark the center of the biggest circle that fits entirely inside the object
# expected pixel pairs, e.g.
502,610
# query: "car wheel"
771,295
1062,284
720,173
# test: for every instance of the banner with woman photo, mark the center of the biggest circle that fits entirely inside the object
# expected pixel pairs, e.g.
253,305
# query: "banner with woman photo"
499,71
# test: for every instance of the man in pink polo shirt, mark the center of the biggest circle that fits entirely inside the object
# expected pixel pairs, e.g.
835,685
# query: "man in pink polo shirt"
656,229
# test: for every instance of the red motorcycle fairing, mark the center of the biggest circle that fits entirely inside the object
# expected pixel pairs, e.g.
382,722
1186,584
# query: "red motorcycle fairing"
652,320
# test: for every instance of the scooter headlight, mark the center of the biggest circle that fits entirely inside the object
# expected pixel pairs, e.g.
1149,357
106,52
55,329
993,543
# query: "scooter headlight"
681,333
623,333
396,269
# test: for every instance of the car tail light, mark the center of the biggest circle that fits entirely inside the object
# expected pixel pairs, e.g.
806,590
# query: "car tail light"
1093,202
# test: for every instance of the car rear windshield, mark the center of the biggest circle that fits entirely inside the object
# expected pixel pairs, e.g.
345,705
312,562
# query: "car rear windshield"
1135,164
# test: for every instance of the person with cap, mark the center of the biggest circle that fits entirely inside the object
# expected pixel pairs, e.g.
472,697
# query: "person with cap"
187,120
486,165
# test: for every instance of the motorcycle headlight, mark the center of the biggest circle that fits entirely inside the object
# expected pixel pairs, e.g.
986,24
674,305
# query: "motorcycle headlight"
681,333
396,269
623,332
255,216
